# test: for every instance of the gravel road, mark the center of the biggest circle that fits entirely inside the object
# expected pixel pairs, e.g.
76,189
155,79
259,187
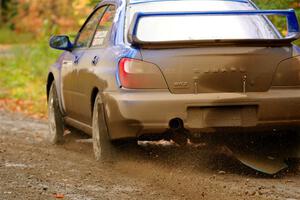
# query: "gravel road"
32,169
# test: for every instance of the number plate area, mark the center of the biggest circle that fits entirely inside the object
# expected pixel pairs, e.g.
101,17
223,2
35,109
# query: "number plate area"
222,116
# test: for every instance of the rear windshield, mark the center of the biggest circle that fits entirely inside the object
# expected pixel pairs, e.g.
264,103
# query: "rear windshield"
196,27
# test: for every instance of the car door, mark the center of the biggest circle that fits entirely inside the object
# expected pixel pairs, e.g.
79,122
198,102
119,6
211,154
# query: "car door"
73,60
91,65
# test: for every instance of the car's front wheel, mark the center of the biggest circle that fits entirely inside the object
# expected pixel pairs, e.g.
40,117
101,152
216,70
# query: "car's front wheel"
102,145
55,118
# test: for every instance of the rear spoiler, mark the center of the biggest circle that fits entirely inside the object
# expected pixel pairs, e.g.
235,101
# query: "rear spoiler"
292,22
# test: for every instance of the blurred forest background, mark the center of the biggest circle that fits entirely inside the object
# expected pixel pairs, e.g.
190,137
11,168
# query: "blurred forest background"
25,27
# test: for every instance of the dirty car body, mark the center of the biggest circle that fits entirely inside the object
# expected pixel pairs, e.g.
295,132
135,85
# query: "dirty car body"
204,66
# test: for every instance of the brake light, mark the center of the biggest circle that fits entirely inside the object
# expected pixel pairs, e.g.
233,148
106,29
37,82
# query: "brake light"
137,74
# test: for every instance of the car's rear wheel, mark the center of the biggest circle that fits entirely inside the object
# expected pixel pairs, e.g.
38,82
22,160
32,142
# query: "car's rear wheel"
102,145
55,118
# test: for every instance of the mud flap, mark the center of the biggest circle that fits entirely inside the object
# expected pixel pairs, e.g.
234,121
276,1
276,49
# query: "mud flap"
265,154
262,163
295,149
296,153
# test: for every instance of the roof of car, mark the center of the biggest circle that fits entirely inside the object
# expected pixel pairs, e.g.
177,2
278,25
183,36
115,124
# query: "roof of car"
146,1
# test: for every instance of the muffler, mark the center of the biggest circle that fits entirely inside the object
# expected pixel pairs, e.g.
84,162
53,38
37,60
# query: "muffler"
178,133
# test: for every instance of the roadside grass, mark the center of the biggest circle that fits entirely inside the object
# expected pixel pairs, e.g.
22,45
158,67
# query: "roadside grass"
23,74
8,36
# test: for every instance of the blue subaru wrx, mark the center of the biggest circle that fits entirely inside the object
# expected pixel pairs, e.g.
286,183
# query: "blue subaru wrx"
180,70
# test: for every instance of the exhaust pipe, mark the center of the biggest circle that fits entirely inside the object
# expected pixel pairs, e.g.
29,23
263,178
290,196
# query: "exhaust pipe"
176,124
178,133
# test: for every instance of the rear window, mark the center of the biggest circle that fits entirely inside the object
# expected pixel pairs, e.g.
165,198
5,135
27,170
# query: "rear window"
196,27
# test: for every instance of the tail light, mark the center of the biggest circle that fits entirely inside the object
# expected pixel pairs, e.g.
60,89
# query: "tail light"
137,74
288,73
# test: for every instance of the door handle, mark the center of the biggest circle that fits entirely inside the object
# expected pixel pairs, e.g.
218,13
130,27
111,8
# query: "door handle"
67,63
95,60
76,60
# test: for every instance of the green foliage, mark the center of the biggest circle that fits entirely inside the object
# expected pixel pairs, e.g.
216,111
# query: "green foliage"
8,10
94,2
278,4
23,72
8,36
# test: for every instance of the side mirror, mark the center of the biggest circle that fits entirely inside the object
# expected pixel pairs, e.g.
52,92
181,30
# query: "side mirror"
61,42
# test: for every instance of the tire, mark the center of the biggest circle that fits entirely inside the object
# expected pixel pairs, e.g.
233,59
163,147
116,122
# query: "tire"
103,148
55,118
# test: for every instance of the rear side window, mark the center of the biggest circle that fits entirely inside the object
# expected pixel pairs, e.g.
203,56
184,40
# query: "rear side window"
87,32
197,27
104,27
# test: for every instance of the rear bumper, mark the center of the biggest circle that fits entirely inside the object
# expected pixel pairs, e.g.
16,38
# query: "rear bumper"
132,114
